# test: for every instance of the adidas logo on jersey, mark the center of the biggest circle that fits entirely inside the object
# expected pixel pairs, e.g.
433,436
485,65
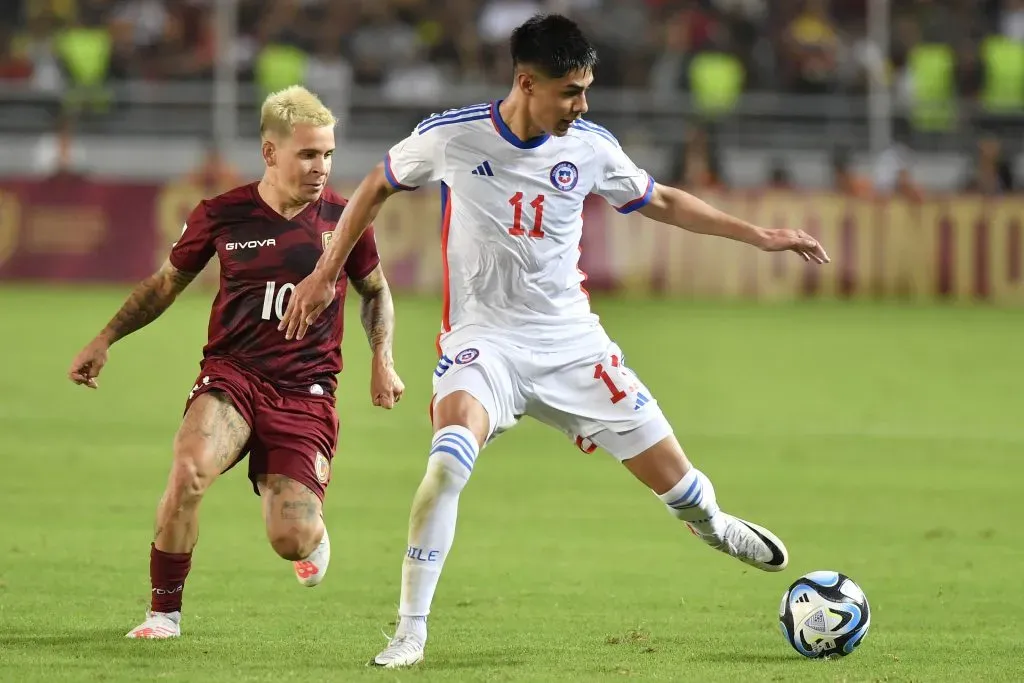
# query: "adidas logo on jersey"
641,401
484,169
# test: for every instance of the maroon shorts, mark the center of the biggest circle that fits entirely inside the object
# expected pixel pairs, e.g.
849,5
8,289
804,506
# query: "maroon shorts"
293,433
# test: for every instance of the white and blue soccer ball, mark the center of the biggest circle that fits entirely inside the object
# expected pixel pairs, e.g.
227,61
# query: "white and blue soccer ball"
824,614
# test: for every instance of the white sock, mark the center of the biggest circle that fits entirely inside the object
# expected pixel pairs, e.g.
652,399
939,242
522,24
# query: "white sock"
453,453
693,500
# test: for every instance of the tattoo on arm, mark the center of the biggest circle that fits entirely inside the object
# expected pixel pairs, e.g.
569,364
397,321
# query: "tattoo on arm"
148,300
378,311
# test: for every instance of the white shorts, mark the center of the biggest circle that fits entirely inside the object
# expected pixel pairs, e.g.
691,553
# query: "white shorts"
585,391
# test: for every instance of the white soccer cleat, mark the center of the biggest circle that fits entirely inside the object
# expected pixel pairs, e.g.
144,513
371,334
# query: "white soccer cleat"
402,650
310,571
748,543
158,625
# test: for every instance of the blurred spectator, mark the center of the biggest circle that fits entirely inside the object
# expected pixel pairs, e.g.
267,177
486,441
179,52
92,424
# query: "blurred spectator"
862,59
1011,23
812,44
906,187
684,33
379,26
931,86
497,19
968,70
414,79
36,44
716,78
624,35
893,175
57,154
696,164
14,64
84,50
1002,88
182,43
215,174
327,72
992,173
779,177
743,21
145,21
845,180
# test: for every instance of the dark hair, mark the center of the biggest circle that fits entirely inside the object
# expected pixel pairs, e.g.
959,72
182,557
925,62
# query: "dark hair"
552,43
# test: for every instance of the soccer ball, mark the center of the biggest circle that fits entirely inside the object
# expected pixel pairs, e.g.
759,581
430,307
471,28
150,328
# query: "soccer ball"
824,614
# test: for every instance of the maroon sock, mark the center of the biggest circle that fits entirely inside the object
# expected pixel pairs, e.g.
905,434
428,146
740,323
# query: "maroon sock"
167,572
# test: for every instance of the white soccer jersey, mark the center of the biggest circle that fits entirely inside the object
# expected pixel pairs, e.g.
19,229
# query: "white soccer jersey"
512,218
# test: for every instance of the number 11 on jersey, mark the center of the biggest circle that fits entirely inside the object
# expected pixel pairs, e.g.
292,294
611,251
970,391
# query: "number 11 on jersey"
537,204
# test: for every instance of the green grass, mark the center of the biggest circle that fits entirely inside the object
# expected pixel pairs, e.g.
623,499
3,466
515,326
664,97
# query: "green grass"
881,441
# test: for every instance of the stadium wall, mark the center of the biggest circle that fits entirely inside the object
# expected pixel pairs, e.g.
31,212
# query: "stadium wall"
955,247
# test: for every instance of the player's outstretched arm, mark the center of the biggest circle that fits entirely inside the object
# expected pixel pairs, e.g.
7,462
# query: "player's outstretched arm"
148,300
316,291
675,207
378,315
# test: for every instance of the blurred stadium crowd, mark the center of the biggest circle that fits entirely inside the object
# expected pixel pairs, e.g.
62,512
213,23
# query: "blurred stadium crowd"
809,46
945,58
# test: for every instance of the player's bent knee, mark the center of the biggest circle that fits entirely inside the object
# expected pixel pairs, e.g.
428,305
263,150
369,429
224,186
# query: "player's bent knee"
463,409
295,541
189,480
293,514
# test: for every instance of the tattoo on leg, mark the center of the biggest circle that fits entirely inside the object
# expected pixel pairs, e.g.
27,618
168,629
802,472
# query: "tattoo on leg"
230,431
220,427
298,510
299,503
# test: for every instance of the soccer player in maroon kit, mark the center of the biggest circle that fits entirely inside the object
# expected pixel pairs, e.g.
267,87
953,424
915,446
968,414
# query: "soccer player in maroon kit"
257,393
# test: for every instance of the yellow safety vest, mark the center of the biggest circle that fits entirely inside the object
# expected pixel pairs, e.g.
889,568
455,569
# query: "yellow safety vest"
1003,90
716,81
931,68
280,66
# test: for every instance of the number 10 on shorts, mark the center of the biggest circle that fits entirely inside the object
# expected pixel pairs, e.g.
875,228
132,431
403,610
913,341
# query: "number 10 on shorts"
274,305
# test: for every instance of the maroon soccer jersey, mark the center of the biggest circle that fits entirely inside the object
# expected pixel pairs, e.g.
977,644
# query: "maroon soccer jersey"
262,257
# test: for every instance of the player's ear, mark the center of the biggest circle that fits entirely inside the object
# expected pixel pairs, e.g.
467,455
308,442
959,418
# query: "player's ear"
527,82
269,153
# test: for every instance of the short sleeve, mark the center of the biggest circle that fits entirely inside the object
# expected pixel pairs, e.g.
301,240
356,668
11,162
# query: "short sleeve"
414,161
621,182
363,258
195,247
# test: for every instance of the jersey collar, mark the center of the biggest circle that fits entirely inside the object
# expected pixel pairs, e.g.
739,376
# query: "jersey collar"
510,137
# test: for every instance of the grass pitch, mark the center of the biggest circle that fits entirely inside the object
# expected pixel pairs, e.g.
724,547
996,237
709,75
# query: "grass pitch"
881,441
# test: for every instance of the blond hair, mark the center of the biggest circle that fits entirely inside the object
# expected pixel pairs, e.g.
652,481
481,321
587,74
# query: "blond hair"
294,105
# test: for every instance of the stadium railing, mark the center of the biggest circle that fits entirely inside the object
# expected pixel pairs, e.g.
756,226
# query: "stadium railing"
765,120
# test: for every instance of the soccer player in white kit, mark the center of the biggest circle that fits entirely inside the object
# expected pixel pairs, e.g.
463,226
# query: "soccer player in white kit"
518,336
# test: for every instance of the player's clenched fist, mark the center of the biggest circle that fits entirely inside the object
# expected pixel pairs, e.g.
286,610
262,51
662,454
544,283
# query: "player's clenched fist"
795,240
311,296
386,387
86,366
